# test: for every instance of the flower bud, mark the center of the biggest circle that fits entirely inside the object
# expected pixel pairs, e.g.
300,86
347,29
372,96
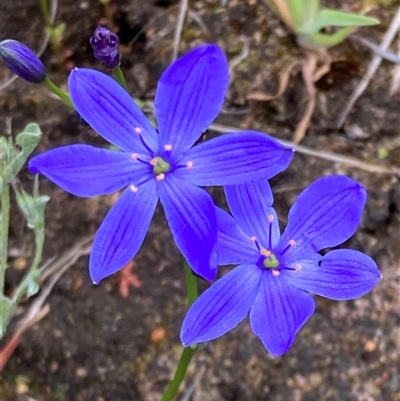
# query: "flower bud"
105,47
22,61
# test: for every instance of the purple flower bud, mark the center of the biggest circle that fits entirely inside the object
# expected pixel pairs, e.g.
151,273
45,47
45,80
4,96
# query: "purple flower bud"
105,47
22,61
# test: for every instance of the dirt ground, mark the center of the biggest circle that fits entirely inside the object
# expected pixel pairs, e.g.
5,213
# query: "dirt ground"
95,345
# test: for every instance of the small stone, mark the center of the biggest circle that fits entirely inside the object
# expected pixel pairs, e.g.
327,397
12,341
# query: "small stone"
158,335
19,264
81,373
22,388
370,346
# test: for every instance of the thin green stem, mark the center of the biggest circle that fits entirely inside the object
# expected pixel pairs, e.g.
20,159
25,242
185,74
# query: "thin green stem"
44,5
109,16
191,284
57,91
187,353
119,76
4,223
180,373
34,270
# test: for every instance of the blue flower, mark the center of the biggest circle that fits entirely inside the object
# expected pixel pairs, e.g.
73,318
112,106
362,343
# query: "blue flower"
105,47
159,164
276,273
22,61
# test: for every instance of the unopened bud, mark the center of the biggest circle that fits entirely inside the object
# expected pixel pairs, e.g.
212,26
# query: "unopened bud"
22,61
105,47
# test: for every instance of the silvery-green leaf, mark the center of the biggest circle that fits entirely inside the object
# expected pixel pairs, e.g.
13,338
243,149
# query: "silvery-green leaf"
32,207
328,17
28,287
7,307
27,140
303,12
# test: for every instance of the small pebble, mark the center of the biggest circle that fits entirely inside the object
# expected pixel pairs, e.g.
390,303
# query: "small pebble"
370,346
81,372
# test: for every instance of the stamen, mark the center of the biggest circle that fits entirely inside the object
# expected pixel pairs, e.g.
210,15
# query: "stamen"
270,219
188,165
275,273
292,242
154,161
160,177
298,267
265,252
254,239
145,180
139,131
135,157
133,188
168,147
292,269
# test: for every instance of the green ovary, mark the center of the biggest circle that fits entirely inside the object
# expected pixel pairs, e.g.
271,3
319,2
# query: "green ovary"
161,166
271,262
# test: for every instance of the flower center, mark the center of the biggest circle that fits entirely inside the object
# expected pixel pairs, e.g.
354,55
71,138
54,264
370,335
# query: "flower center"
270,262
160,166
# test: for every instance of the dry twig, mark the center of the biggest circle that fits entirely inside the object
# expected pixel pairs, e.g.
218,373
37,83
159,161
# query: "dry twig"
37,311
349,161
372,68
178,31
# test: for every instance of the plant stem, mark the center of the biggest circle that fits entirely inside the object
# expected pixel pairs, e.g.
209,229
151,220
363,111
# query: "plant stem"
187,353
119,76
180,373
57,91
34,271
4,222
44,5
109,16
191,284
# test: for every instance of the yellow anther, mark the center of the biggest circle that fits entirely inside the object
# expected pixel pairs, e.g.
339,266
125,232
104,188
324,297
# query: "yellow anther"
253,239
265,252
134,156
189,165
275,273
133,188
154,161
138,130
298,267
168,147
271,218
160,177
292,242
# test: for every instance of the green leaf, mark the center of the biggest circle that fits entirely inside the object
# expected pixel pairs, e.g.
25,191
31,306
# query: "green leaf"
7,308
32,207
328,17
7,154
58,31
28,287
321,40
27,140
303,12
